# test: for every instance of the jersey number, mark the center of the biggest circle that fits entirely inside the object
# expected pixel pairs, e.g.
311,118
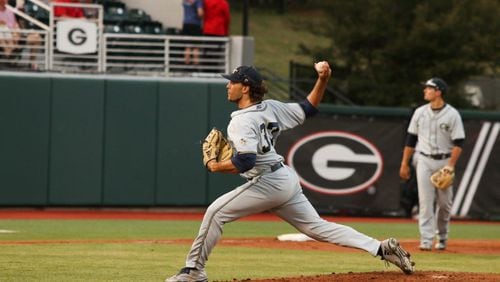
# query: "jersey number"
268,134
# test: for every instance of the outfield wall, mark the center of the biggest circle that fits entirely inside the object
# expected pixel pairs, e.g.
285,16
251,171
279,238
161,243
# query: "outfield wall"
126,141
104,141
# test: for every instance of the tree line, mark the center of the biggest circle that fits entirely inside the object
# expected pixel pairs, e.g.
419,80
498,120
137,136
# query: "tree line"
382,49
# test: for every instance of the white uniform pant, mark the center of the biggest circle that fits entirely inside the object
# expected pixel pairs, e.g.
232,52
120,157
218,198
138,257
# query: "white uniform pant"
434,204
280,193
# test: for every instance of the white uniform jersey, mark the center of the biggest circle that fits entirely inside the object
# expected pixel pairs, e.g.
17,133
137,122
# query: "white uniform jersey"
436,130
255,129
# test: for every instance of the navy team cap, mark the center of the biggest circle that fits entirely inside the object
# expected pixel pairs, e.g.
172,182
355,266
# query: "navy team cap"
437,83
246,75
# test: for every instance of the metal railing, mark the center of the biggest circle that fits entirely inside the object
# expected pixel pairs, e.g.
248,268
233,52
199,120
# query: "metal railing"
25,49
164,54
67,62
147,54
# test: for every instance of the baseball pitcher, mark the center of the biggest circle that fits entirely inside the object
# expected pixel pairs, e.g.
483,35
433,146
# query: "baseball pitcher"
271,185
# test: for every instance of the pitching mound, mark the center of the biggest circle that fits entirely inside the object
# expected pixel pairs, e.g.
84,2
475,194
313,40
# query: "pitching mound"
455,247
389,276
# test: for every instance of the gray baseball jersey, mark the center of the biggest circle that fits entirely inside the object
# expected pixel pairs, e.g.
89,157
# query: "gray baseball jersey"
255,130
436,131
272,186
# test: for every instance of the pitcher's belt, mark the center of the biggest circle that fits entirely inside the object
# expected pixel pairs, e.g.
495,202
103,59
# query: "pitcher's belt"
437,156
276,166
273,168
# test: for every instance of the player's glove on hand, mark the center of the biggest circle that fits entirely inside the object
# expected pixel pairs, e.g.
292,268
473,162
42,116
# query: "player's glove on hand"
216,147
443,178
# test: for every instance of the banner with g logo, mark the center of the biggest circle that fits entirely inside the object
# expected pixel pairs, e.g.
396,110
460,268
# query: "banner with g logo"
76,36
336,162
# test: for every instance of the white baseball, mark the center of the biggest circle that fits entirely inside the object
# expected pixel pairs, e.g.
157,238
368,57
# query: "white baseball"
319,66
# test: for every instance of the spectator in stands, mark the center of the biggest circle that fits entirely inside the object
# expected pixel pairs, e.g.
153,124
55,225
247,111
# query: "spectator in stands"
8,23
11,39
215,23
191,26
69,12
216,19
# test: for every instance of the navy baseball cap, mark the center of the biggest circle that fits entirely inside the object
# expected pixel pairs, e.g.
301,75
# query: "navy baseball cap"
245,74
437,83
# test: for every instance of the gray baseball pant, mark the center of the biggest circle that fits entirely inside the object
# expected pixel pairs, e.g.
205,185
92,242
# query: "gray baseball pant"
433,219
280,193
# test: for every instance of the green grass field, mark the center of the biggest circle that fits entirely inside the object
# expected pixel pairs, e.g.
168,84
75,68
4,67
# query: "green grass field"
97,250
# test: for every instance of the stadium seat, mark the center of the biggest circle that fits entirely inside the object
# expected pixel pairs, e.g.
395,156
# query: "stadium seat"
36,12
113,28
172,31
153,27
115,14
106,4
138,15
134,28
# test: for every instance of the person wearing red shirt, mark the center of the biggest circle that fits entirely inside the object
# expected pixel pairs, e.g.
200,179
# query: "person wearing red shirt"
70,12
215,23
217,18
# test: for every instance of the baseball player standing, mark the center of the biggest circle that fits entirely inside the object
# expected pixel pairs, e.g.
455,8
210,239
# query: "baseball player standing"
271,185
436,134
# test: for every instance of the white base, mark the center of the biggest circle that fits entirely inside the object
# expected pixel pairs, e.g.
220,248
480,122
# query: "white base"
295,237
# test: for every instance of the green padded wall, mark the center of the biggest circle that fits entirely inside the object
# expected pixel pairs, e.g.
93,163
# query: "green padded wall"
130,143
24,141
182,123
101,141
76,142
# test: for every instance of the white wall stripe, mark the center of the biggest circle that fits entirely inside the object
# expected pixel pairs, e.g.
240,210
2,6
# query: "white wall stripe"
464,182
480,169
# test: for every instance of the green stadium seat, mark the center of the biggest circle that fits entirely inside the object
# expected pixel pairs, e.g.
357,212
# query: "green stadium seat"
113,28
36,12
154,27
138,15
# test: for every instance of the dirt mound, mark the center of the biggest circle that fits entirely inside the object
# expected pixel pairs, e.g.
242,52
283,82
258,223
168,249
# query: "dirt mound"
389,276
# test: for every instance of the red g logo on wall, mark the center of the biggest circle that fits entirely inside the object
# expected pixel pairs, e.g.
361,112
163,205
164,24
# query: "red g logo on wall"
335,162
